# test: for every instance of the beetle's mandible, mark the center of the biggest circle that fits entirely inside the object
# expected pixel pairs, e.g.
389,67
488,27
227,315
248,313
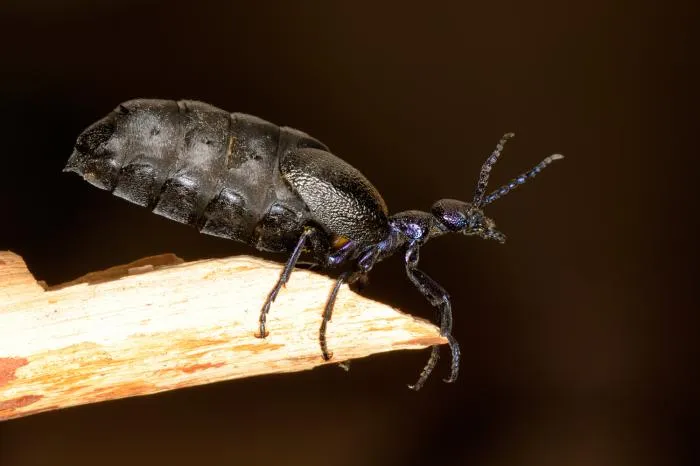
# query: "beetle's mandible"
276,188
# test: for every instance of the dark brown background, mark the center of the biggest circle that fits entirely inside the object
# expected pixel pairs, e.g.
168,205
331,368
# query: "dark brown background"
576,334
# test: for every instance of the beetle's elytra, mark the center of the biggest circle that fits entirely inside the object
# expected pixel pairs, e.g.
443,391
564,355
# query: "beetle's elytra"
276,188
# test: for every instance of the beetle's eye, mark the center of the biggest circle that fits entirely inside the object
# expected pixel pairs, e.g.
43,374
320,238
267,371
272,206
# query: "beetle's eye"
451,213
454,220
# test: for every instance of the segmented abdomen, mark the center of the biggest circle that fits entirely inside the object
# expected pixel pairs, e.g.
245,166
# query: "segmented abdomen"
188,161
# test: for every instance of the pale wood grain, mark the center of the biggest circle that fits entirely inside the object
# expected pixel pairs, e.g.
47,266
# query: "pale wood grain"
143,328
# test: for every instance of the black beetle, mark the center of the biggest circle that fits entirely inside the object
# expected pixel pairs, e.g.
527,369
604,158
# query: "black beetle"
276,188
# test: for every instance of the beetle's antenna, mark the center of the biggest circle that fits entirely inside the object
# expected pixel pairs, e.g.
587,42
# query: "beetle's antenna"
515,182
486,170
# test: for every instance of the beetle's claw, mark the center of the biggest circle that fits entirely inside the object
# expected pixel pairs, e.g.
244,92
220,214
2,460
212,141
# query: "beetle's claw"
262,332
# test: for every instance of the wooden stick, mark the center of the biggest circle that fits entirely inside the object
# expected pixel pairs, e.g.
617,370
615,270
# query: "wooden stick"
149,327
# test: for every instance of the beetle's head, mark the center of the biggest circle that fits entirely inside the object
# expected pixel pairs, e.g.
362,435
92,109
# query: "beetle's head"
468,217
463,217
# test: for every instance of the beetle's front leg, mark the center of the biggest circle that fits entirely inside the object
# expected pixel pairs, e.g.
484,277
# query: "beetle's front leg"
439,298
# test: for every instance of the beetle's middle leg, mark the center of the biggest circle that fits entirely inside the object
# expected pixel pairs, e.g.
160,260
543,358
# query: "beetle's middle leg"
328,312
364,264
284,277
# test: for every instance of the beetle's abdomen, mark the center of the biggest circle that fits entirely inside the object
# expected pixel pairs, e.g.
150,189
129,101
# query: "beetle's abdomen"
192,178
188,161
156,153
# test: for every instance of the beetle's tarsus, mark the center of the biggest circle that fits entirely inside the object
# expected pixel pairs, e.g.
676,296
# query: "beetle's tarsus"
454,367
428,369
262,332
328,313
327,355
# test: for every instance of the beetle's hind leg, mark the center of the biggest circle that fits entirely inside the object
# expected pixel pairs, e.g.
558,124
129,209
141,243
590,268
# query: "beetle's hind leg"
439,298
284,277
